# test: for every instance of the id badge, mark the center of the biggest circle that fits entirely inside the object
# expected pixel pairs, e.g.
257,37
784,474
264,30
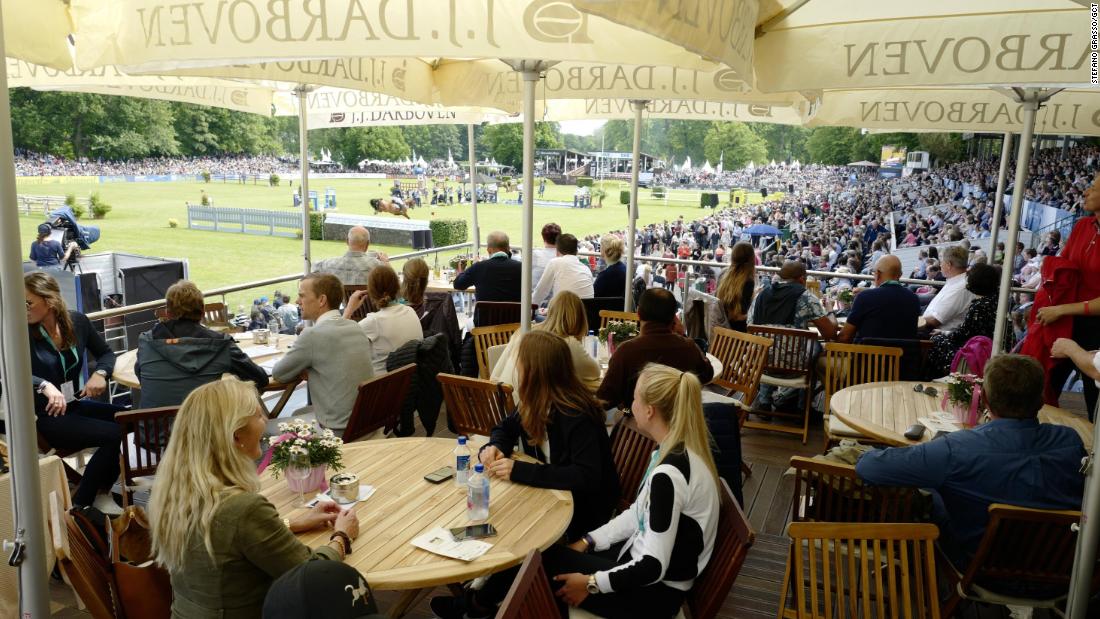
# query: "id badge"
67,391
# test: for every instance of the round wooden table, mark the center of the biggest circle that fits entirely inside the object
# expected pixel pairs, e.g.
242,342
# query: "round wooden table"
884,411
124,373
404,506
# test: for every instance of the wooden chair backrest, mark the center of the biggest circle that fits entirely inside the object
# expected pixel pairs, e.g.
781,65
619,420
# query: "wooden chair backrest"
475,406
861,571
593,307
607,316
853,364
831,492
485,337
731,545
89,571
215,314
630,451
141,458
743,357
491,313
530,596
378,404
792,350
366,308
1023,545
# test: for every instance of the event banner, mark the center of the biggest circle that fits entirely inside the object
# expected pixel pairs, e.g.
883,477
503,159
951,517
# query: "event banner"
1074,112
54,180
166,34
845,44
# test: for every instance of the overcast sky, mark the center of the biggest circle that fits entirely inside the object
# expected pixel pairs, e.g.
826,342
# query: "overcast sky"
581,127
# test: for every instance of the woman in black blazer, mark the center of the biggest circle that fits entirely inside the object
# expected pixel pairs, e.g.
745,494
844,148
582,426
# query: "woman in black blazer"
68,414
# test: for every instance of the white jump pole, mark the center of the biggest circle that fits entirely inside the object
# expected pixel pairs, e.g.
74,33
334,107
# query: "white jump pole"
473,189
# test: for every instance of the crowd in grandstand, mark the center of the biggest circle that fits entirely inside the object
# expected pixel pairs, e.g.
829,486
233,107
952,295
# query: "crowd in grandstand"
28,163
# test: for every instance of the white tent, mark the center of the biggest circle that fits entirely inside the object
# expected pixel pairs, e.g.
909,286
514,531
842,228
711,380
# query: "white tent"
721,160
706,167
687,164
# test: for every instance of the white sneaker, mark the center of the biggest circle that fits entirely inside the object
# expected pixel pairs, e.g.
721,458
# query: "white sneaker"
106,504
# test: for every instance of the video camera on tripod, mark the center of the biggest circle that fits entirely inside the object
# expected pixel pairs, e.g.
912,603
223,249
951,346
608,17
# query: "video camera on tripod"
67,230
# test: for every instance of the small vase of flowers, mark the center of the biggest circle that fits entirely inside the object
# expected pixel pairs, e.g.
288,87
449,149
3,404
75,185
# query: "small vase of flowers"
963,398
616,332
299,436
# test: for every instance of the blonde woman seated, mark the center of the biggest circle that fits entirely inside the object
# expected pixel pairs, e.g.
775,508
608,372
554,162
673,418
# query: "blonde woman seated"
221,541
565,318
393,324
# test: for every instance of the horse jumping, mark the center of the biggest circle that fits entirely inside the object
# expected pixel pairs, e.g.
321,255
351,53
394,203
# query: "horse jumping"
394,207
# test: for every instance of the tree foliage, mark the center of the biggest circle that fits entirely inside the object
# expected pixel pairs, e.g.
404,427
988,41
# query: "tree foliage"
832,145
505,141
734,144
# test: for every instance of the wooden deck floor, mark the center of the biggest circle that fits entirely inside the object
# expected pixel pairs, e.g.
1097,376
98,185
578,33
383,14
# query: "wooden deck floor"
768,494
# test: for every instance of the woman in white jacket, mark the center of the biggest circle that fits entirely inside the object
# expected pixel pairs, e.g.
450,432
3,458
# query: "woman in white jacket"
565,318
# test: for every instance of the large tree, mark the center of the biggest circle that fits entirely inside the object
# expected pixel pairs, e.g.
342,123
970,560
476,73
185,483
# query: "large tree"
434,141
734,144
832,145
505,141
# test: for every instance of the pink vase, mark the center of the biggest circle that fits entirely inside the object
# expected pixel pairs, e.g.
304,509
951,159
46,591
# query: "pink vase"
315,481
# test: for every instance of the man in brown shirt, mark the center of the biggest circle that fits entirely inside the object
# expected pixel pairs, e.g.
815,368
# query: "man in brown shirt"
661,341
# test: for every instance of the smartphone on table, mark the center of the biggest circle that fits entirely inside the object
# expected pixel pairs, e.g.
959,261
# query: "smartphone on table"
441,475
474,531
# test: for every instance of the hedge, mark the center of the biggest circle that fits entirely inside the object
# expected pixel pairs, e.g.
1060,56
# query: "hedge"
658,192
316,226
584,181
708,199
624,197
448,232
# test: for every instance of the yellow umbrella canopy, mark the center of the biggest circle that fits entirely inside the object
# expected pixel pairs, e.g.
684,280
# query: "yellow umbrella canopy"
831,44
1071,111
38,31
162,35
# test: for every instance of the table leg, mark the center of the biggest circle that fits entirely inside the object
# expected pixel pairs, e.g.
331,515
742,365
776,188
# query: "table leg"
407,601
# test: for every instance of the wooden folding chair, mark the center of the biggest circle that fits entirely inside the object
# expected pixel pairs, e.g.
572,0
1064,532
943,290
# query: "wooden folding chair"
742,356
1021,546
475,406
789,363
630,451
607,316
378,404
141,456
215,315
731,546
364,309
287,390
832,492
85,565
530,596
853,364
486,337
861,570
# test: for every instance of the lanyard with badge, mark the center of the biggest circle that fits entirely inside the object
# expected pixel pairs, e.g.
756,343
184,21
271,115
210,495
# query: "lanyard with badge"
649,469
66,385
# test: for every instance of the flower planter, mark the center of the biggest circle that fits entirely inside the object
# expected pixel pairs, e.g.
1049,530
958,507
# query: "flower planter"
316,481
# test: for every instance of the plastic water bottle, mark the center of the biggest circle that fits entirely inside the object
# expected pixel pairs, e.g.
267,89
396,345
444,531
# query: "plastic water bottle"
592,344
477,494
462,462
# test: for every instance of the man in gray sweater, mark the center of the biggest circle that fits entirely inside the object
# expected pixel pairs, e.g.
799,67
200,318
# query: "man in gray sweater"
334,352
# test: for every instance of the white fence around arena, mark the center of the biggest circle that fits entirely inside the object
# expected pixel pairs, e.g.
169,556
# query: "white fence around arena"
244,220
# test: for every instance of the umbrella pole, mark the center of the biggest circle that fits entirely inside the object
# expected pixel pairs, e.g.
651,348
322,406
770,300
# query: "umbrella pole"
303,156
1084,558
632,216
473,188
530,80
999,204
1030,102
30,531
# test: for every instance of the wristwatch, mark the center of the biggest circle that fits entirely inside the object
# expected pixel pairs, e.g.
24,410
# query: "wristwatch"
102,373
592,587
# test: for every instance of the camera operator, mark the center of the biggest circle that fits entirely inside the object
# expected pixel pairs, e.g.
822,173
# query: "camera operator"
48,253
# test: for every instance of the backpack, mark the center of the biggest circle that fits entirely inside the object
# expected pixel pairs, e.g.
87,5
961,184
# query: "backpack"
972,357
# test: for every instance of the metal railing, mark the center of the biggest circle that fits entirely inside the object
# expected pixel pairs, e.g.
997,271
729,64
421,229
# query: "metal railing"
279,279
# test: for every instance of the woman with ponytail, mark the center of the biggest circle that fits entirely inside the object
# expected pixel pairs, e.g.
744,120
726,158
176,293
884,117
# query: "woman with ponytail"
393,324
644,561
